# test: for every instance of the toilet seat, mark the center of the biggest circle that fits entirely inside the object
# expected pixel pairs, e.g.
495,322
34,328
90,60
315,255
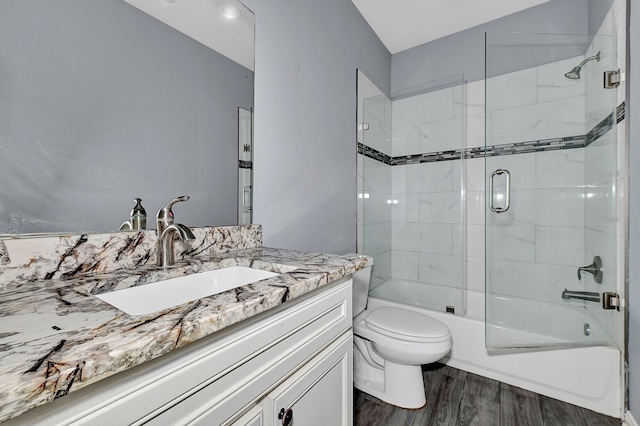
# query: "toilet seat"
407,325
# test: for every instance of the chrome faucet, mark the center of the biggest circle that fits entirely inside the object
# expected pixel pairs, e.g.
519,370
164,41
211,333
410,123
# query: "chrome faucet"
167,230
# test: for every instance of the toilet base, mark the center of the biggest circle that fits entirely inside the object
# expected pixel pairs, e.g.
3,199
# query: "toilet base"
397,384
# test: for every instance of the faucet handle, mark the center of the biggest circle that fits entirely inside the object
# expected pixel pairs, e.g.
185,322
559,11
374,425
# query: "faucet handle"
166,213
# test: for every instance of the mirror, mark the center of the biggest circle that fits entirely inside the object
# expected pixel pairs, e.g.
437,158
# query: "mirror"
101,103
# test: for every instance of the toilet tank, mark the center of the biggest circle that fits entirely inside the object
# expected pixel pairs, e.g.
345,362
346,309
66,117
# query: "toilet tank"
361,281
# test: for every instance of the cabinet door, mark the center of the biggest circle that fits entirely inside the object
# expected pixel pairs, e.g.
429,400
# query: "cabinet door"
320,393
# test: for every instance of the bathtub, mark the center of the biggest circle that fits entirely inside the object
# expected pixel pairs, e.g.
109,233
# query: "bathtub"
589,377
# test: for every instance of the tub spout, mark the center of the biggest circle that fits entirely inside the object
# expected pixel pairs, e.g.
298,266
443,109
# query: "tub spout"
589,296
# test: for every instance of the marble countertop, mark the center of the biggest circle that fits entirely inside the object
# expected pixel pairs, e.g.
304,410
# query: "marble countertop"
57,337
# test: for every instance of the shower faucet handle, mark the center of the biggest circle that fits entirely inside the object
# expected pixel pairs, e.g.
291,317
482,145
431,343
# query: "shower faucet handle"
594,269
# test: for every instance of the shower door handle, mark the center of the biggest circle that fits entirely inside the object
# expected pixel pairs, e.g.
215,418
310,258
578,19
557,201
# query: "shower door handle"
246,190
507,191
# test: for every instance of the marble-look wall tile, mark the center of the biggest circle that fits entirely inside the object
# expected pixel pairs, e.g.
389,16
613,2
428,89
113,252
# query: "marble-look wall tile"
560,245
424,108
601,207
475,97
381,270
601,159
440,207
475,173
553,85
376,208
377,176
522,168
377,238
570,161
407,208
376,113
422,237
511,243
443,135
406,140
538,121
441,270
544,207
404,265
475,273
428,177
475,204
530,280
475,305
474,240
476,126
511,90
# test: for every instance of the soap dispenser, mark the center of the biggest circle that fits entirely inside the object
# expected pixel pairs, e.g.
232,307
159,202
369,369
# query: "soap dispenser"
138,217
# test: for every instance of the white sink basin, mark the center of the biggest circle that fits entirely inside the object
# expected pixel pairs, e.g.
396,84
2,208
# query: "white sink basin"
160,295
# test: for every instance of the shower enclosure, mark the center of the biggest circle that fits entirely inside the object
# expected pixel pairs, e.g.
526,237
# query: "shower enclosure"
499,199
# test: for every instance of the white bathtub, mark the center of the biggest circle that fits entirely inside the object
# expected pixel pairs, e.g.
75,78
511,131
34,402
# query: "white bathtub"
588,377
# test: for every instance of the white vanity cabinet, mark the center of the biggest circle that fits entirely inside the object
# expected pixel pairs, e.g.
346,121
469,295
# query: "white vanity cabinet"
295,357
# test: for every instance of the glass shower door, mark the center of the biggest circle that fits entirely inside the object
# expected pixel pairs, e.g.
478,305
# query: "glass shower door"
245,166
550,162
411,199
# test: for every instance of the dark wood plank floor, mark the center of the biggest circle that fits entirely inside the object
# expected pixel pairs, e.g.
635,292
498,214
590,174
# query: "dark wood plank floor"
458,398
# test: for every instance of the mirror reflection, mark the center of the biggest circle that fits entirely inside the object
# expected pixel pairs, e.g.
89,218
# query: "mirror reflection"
102,103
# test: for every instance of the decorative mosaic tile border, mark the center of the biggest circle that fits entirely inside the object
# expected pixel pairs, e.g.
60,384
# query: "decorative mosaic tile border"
569,142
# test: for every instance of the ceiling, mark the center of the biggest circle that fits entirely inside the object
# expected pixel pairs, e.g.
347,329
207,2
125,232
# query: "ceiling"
230,35
403,24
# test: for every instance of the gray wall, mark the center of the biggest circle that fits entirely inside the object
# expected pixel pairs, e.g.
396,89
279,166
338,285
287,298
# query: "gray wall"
463,52
633,300
307,53
101,103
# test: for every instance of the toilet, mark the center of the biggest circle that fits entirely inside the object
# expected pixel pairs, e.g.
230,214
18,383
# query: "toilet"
390,345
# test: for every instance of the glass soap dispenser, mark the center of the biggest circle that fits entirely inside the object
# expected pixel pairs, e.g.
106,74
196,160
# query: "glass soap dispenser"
138,218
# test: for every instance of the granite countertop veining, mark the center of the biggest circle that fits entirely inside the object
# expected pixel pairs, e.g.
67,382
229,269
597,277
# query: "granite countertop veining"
56,337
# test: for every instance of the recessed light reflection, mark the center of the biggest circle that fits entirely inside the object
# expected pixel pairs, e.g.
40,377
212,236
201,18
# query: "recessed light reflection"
392,201
365,195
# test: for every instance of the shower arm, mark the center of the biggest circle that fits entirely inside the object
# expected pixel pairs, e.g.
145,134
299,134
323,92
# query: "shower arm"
590,58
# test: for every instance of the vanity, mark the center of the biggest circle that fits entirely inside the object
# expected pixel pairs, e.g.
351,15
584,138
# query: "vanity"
264,353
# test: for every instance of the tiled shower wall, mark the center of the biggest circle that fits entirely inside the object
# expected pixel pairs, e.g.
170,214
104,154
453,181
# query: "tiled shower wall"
427,239
538,252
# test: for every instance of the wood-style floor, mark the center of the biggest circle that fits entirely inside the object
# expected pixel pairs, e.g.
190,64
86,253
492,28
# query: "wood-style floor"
457,398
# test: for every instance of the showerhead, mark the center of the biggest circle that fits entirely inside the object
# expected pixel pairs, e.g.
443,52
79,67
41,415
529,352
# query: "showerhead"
574,74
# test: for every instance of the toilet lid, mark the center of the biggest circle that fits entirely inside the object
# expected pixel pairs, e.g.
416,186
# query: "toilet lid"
407,325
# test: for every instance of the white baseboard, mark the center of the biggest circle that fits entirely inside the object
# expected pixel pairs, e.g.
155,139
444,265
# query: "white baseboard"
629,420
